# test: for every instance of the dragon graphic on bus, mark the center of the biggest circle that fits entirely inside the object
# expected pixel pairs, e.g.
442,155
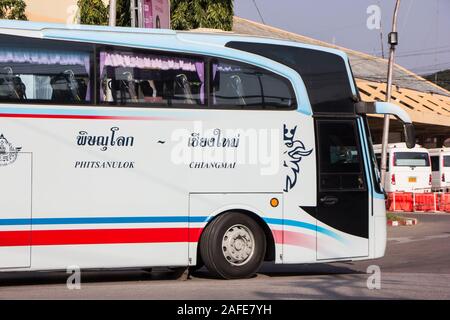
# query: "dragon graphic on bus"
295,150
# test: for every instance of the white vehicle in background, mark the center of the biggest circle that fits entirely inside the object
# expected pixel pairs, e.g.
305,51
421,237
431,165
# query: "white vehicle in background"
408,170
440,167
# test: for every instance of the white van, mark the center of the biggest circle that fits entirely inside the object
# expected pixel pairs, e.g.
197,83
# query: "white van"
408,170
440,166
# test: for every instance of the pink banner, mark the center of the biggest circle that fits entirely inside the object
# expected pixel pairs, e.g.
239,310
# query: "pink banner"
156,14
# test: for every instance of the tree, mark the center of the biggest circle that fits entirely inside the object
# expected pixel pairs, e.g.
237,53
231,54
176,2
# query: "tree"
13,9
185,14
95,12
443,78
192,14
123,13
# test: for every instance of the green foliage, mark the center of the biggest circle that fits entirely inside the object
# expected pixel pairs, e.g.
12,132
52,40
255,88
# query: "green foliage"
192,14
123,13
443,79
185,14
13,9
393,216
95,12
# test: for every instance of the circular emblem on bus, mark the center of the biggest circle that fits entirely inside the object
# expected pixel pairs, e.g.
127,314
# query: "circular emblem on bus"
8,153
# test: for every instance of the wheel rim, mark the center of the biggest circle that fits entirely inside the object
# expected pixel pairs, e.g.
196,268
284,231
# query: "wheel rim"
238,245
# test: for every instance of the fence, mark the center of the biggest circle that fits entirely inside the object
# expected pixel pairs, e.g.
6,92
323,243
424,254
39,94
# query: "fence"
418,202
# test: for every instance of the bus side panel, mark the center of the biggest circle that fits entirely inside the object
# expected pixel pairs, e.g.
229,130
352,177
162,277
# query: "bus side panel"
275,155
379,238
15,191
300,191
105,192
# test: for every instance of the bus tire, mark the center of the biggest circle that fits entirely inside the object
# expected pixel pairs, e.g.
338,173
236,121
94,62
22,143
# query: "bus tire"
233,246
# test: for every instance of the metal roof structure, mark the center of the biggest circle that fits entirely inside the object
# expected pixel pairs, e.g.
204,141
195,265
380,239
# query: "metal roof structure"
364,66
424,101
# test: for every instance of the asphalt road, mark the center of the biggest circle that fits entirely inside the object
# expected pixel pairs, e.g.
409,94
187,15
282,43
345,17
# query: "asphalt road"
416,266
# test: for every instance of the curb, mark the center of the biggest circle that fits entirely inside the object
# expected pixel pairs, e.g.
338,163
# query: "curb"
403,222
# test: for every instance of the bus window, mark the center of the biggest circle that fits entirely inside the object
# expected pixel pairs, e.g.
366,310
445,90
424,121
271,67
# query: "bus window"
325,74
411,159
129,77
339,156
242,85
33,71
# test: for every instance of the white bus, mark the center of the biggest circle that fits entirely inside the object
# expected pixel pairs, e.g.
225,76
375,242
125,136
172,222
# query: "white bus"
440,166
140,148
408,170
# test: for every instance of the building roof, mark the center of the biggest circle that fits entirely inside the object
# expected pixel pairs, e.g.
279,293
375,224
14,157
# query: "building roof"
424,101
422,107
364,66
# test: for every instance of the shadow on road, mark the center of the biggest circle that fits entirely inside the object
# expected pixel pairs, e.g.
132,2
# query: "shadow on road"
129,275
273,270
87,276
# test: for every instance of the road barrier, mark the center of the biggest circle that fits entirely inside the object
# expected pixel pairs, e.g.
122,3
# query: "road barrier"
418,202
400,201
444,202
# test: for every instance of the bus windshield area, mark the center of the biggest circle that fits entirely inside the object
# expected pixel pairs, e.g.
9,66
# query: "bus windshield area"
411,159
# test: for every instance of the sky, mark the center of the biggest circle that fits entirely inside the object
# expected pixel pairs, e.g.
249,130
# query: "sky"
423,26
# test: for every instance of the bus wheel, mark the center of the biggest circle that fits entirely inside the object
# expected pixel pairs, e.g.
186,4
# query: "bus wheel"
233,246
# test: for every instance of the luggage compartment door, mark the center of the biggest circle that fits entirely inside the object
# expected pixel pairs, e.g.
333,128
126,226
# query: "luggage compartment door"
15,212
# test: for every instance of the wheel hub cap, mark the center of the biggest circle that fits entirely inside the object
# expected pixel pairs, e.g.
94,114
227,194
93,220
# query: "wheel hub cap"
238,245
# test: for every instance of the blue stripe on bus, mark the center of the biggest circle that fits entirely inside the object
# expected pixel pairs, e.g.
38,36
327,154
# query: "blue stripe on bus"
305,225
100,220
179,219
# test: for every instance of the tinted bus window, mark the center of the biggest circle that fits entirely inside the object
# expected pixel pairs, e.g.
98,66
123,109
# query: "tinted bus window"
129,77
34,70
339,156
325,74
242,85
411,159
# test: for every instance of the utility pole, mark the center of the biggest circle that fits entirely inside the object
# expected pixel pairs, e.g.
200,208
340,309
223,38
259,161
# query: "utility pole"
393,41
381,36
112,13
381,39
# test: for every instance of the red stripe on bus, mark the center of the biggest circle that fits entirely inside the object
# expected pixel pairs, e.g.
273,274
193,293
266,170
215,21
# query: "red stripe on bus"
98,236
15,238
70,116
294,239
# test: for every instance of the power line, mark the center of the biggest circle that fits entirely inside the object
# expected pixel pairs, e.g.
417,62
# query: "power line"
259,12
423,53
422,50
